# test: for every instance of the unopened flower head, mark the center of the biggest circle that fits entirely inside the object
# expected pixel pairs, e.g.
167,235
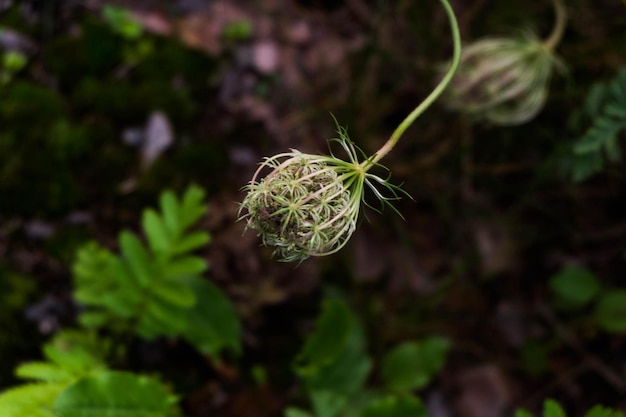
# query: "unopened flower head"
308,205
503,81
301,207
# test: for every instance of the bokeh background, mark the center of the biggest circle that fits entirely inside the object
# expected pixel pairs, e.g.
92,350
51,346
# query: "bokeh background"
102,108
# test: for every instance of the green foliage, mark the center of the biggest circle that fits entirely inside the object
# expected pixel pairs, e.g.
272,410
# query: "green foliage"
610,311
296,412
11,63
64,365
237,31
392,406
412,365
116,394
335,386
122,22
152,289
605,106
213,325
158,290
338,367
74,381
328,339
551,408
574,286
29,400
601,411
333,361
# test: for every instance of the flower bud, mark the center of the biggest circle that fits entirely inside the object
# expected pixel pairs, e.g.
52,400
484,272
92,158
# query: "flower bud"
304,206
503,81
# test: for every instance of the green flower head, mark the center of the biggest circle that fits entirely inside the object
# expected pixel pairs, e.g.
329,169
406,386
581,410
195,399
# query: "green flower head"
503,81
308,205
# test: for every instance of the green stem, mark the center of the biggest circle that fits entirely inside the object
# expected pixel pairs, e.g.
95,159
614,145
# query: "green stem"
559,26
408,121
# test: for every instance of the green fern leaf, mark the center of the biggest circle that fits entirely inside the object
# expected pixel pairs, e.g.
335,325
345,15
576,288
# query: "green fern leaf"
159,237
43,371
551,408
67,361
76,360
137,258
150,328
171,213
616,111
123,300
185,267
192,207
116,394
296,412
119,306
93,319
125,282
605,105
327,341
213,323
156,289
174,293
396,406
172,320
601,411
191,242
90,273
32,400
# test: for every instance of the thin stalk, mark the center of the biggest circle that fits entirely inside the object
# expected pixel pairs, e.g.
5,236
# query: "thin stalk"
408,121
559,26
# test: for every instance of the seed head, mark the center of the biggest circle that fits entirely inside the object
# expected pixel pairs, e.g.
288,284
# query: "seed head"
503,81
308,205
302,207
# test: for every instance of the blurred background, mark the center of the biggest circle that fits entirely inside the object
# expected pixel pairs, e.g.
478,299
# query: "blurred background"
103,105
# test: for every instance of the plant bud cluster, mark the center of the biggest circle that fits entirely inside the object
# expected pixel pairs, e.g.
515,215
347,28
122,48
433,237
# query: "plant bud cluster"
302,207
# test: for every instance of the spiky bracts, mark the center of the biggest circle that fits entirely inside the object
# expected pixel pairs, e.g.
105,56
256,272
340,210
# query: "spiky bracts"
308,205
302,207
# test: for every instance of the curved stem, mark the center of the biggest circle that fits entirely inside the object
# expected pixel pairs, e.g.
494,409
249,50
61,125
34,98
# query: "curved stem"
404,125
559,26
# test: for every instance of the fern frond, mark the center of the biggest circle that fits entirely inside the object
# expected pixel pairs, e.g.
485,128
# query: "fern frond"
167,231
33,400
116,394
601,411
43,371
65,364
142,286
150,288
92,262
605,105
75,384
213,323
